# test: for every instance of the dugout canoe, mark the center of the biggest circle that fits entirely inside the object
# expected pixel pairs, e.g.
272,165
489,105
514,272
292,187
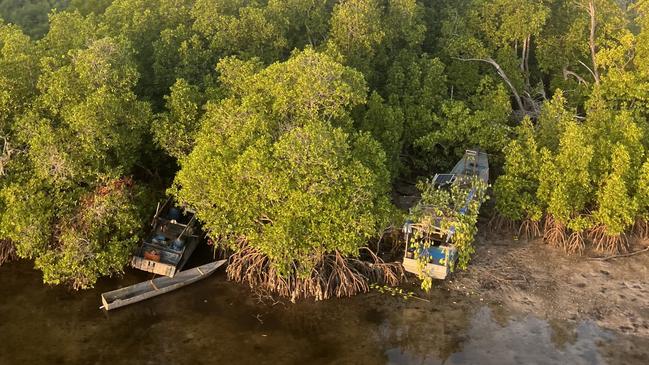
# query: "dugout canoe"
151,288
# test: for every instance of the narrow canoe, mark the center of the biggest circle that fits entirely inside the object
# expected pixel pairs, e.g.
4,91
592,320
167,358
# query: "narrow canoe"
151,288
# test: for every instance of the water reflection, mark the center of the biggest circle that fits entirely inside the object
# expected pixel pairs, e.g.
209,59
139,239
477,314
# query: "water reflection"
527,340
215,321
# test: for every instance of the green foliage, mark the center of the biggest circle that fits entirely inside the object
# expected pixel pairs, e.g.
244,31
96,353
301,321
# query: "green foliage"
88,121
515,190
395,292
587,176
565,184
175,130
27,216
276,167
497,30
505,21
386,124
72,127
181,53
356,32
280,145
30,15
73,243
405,25
555,116
417,86
642,194
97,239
18,75
141,23
69,31
302,22
481,122
90,6
241,28
609,128
616,208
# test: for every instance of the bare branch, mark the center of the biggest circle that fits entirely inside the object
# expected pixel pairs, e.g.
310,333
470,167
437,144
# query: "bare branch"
589,70
502,74
591,41
567,73
646,249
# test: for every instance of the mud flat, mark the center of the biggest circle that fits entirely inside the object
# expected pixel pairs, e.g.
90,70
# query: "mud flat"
529,277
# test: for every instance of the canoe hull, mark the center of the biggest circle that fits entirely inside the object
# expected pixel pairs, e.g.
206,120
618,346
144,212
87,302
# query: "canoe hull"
152,288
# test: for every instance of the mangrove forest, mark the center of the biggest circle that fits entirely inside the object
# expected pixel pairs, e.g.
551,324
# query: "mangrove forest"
290,127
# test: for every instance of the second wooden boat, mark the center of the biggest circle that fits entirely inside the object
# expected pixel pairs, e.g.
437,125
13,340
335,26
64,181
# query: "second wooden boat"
443,253
151,288
172,240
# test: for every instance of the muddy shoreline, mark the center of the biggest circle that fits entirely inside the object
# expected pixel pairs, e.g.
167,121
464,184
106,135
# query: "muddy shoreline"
530,277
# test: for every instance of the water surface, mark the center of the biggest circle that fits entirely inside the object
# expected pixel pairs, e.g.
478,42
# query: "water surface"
218,322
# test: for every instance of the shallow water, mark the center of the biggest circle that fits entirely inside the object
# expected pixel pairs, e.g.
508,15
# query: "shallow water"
218,322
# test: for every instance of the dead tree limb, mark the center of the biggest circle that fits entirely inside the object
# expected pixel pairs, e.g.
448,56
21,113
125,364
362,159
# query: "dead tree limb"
567,72
5,156
502,74
592,12
620,255
595,76
527,55
523,52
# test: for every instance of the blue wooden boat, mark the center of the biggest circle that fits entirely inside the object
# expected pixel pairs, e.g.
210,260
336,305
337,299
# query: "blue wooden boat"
442,254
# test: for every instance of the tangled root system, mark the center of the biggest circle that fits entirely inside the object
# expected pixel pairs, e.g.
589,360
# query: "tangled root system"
641,229
554,232
575,243
529,229
606,243
500,224
333,275
7,252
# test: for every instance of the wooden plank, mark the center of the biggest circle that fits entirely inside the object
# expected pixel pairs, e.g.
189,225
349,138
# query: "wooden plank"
154,267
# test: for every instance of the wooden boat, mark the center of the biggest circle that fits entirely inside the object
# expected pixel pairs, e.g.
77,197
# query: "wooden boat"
443,253
172,241
151,288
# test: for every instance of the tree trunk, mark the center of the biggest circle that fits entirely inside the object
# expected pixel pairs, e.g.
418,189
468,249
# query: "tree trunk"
523,52
591,41
527,54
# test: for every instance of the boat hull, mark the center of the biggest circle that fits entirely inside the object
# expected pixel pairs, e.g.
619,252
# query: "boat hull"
152,288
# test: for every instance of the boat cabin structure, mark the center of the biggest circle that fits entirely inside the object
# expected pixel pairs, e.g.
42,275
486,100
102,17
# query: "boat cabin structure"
440,253
172,240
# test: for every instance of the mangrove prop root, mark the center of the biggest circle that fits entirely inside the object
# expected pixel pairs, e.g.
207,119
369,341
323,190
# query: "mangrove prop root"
554,232
500,224
333,275
641,229
529,229
575,243
7,252
606,243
